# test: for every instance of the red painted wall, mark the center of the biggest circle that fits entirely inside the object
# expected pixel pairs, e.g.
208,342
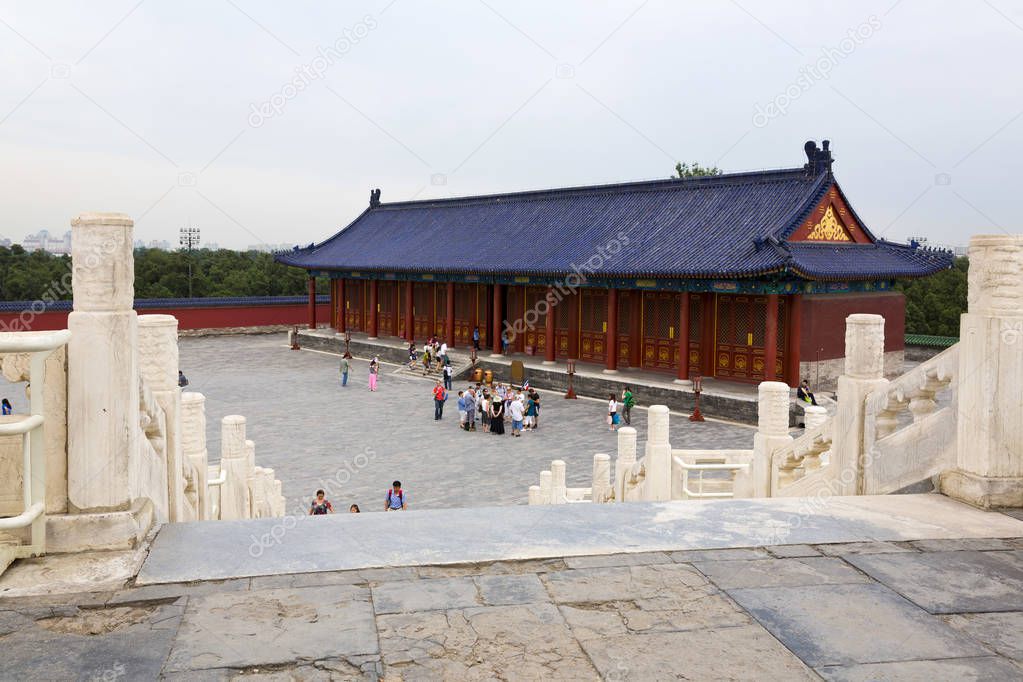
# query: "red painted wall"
188,318
824,321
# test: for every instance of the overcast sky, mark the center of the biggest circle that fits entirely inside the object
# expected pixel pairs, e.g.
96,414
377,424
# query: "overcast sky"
270,122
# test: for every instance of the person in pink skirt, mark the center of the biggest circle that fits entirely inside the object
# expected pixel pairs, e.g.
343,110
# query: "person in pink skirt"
374,370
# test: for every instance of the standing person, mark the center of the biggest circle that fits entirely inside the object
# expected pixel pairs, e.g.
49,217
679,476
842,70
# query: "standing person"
530,420
374,370
6,407
485,410
504,342
497,416
182,379
449,372
536,404
470,410
439,396
321,505
516,412
628,402
426,358
476,337
412,355
354,509
345,366
612,412
397,499
461,410
443,353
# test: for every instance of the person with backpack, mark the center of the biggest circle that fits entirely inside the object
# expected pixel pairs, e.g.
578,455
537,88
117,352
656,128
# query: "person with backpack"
397,499
449,372
530,422
476,338
321,505
628,402
612,412
439,396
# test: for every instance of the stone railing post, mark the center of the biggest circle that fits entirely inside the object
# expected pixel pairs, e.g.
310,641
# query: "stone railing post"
534,494
103,385
772,434
989,439
234,461
559,487
158,363
814,416
864,374
546,485
625,459
601,485
657,484
193,447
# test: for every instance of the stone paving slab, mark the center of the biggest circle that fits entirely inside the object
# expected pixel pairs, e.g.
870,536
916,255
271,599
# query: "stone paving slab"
118,643
746,652
425,595
184,552
792,551
828,625
980,668
525,642
508,590
846,548
951,582
1001,632
730,575
268,627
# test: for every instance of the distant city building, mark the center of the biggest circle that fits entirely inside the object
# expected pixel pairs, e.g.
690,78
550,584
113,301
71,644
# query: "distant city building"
43,241
269,248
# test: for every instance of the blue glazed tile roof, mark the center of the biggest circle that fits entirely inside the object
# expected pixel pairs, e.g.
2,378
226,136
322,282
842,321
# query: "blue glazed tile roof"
728,225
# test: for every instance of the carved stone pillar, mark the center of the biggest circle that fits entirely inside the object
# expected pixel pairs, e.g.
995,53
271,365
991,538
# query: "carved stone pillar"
772,433
989,443
657,484
601,484
103,387
193,447
234,461
625,459
158,364
559,488
864,373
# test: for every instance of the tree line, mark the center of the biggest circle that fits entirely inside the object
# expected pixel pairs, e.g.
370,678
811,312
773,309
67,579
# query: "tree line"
37,275
933,304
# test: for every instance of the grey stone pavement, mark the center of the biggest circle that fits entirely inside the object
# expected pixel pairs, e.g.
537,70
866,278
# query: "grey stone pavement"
921,610
353,443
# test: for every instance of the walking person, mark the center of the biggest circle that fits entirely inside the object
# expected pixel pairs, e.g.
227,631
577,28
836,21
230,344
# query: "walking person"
497,416
345,366
628,402
536,409
439,396
449,372
374,370
5,407
530,421
397,499
413,356
321,505
612,412
476,338
461,410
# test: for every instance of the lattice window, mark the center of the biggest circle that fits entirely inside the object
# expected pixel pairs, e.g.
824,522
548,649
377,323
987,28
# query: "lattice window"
741,320
725,321
421,300
594,308
695,318
564,310
625,308
758,321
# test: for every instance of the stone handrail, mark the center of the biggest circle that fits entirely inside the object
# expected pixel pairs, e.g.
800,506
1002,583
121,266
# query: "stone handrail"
802,458
735,462
913,391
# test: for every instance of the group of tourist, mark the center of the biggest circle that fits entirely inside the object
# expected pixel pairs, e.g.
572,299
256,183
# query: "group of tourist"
396,500
492,406
345,368
434,358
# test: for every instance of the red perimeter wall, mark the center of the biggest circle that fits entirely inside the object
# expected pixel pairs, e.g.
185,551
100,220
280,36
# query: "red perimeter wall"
188,318
823,321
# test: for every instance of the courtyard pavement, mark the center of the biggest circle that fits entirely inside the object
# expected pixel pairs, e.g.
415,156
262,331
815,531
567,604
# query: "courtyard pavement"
353,443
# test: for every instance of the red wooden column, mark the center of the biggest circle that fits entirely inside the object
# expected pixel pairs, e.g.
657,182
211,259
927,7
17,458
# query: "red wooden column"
449,321
342,312
312,303
550,344
495,343
410,326
795,338
611,333
683,337
573,324
636,330
374,310
771,337
396,309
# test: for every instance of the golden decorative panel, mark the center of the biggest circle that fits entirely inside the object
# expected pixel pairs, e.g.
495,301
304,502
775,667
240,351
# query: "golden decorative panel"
663,354
758,365
694,357
740,362
829,229
723,360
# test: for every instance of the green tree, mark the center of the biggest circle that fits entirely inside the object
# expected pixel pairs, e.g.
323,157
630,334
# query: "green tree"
934,304
694,170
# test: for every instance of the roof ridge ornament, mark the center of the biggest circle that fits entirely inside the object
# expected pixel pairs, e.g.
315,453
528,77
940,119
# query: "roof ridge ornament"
819,159
374,198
